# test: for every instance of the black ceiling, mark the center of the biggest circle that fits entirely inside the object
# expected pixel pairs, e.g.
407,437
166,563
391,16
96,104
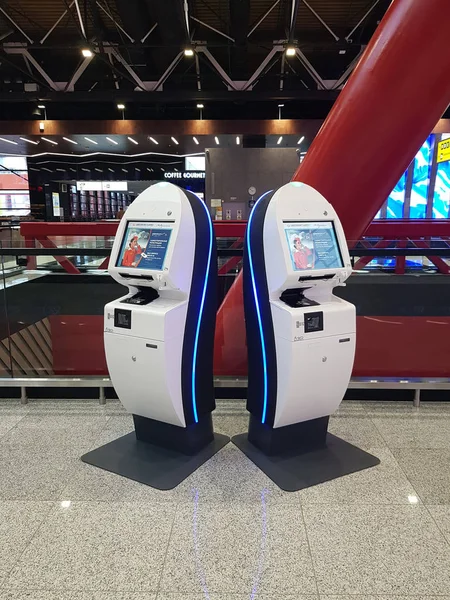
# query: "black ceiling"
136,43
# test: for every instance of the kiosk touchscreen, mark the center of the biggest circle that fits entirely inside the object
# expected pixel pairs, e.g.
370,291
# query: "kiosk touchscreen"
159,336
300,336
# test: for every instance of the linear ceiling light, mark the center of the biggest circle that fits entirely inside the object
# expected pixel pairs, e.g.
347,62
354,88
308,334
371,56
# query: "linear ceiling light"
69,140
216,139
174,140
300,140
153,140
188,52
238,140
9,141
86,53
112,141
280,139
92,141
195,140
131,140
50,141
29,141
290,51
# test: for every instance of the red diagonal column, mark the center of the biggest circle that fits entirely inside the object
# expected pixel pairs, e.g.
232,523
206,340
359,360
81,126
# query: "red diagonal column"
392,101
390,104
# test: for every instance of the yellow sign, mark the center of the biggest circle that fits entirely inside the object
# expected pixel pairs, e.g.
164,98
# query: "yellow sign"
443,153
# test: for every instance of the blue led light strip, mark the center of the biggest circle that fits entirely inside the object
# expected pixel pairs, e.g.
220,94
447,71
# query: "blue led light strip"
202,303
258,312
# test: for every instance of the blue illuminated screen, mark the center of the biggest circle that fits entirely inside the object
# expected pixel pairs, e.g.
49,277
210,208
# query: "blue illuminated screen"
144,245
312,245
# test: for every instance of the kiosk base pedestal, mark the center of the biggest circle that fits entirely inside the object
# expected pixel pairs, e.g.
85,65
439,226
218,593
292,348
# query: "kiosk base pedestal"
311,462
158,466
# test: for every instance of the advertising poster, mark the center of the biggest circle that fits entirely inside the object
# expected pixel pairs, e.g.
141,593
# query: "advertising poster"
312,246
145,245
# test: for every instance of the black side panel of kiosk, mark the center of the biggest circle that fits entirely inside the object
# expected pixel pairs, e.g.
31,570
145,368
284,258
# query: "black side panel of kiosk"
199,336
262,367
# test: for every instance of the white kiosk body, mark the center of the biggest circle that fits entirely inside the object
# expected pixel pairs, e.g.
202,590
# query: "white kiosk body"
159,337
300,336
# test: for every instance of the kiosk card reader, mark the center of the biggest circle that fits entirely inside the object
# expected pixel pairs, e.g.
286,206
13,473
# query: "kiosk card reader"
159,337
300,336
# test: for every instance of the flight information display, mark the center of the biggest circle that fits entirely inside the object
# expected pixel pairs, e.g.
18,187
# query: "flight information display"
312,245
144,245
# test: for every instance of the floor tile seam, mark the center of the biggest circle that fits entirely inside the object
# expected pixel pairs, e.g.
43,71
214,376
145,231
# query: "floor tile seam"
12,428
422,503
166,553
316,582
447,539
52,505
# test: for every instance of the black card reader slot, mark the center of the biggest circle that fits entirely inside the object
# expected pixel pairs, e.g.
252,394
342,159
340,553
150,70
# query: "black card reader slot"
295,298
307,278
142,297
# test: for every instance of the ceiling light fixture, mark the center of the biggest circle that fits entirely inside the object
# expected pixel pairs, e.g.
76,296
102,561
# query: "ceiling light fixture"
41,106
125,170
9,141
131,140
188,52
99,170
50,141
69,140
280,139
200,106
174,140
48,170
92,141
238,140
300,140
29,141
121,106
153,140
87,53
195,140
216,139
109,169
290,51
342,51
112,141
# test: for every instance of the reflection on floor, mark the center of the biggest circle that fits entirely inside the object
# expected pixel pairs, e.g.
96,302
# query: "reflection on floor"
71,531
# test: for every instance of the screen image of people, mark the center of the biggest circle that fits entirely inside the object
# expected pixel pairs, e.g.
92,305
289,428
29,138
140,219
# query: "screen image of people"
312,246
144,245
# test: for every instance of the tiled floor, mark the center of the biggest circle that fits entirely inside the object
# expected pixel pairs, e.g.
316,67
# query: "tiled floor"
69,531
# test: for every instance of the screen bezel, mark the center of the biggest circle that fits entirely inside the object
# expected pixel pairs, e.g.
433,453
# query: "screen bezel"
313,221
124,236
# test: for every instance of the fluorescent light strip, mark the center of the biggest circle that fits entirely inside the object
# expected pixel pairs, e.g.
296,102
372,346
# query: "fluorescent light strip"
174,140
258,313
69,140
61,170
85,169
280,139
216,139
112,170
99,170
195,140
238,140
112,141
29,141
153,140
45,169
125,170
200,314
9,141
92,141
131,140
300,140
50,141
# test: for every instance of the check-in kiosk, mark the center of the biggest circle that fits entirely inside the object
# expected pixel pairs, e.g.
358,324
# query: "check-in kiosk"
159,337
300,337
